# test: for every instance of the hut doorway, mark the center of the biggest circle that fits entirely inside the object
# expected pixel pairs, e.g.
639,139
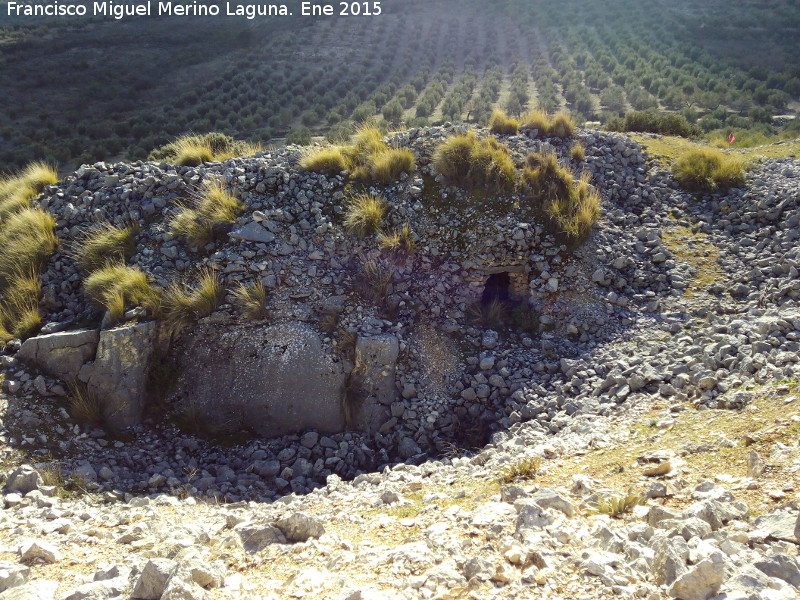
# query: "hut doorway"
497,288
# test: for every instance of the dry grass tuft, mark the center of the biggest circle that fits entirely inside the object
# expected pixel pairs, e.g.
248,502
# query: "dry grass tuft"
210,212
573,206
615,505
503,124
474,163
399,242
116,287
364,215
251,300
17,191
522,470
84,406
182,305
104,243
560,125
193,150
708,169
27,240
369,158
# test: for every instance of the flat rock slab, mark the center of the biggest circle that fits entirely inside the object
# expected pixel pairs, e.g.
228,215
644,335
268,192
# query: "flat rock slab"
61,354
271,380
781,525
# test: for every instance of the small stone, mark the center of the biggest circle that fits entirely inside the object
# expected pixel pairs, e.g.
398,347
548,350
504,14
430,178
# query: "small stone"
40,550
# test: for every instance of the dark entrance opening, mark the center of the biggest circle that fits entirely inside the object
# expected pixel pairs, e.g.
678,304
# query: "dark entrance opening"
496,288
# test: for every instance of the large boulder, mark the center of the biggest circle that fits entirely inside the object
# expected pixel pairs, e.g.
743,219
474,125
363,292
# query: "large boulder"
373,377
60,354
118,376
271,380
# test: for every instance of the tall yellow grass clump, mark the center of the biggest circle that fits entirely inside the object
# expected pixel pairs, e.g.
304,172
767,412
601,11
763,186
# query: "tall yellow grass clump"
572,206
364,215
502,124
103,243
473,163
27,240
209,211
193,150
17,191
369,158
182,304
117,288
560,125
708,169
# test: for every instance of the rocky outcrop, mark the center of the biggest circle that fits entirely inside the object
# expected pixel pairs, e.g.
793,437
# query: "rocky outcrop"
271,380
118,375
61,354
374,375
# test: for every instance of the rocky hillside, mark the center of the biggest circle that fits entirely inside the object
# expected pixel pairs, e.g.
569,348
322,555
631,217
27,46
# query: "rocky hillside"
600,389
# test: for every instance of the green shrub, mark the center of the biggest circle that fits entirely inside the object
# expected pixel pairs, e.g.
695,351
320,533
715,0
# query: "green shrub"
474,163
708,169
300,136
116,288
364,215
654,121
193,150
102,244
209,213
503,124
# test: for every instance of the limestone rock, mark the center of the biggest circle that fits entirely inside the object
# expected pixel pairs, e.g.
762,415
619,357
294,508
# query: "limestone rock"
118,375
299,526
12,575
35,590
255,538
23,479
61,354
272,380
34,550
153,579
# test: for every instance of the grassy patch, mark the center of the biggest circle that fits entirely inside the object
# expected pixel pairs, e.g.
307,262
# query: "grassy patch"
572,206
364,215
369,158
708,169
503,124
560,125
182,305
27,240
251,300
374,280
210,212
577,152
117,287
102,244
522,470
615,505
472,163
400,242
193,150
16,192
667,149
331,161
694,436
697,250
